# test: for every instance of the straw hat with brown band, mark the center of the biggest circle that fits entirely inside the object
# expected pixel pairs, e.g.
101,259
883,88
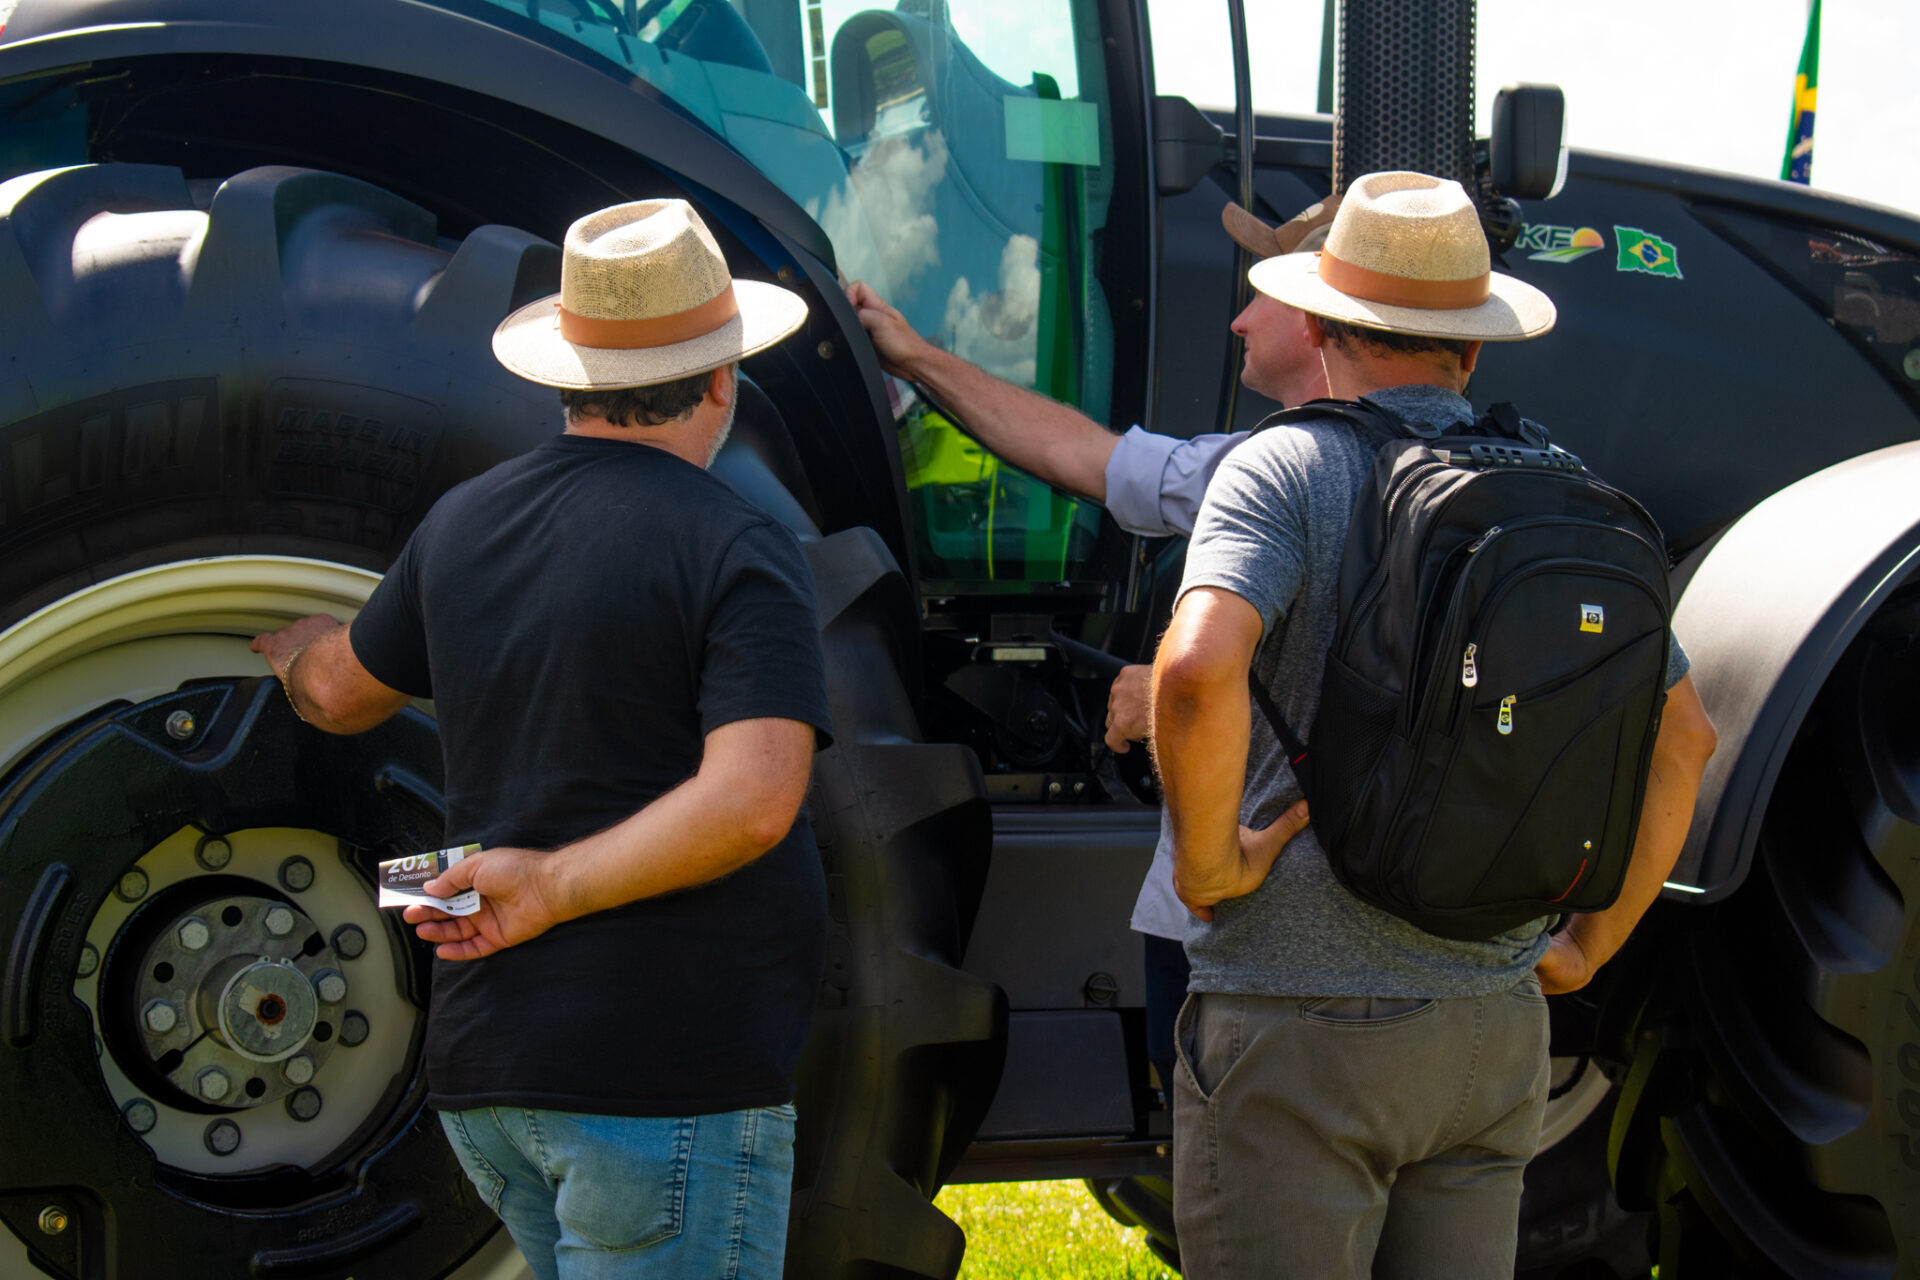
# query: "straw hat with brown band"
645,297
1406,254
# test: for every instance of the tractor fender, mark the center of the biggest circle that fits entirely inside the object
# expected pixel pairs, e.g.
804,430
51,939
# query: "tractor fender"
536,69
1765,618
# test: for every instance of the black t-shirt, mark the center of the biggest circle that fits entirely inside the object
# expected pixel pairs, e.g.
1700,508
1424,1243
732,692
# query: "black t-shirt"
582,616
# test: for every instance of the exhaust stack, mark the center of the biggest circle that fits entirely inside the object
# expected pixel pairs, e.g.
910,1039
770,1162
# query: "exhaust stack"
1405,98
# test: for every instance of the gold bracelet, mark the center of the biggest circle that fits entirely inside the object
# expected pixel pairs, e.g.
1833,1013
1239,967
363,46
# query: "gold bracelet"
286,682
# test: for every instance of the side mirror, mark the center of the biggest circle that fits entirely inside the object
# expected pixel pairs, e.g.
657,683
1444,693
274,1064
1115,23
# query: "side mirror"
1186,145
1527,157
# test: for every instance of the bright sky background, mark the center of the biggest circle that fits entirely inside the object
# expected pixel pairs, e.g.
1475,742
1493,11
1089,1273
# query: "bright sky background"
1698,82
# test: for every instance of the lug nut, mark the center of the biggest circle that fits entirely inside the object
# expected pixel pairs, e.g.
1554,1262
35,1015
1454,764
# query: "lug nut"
140,1115
53,1220
89,960
180,725
296,875
304,1104
161,1017
354,1028
298,1069
330,986
132,886
194,934
223,1137
213,1084
214,853
350,940
279,921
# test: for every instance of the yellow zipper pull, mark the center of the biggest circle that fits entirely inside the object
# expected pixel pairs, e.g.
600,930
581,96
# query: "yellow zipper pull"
1506,713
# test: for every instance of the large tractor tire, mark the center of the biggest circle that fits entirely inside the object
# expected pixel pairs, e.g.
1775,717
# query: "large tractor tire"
906,1049
1773,1114
218,419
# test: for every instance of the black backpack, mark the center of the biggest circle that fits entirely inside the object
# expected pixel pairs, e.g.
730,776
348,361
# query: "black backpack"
1496,677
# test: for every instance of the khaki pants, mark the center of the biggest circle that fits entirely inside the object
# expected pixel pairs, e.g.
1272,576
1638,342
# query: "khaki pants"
1335,1137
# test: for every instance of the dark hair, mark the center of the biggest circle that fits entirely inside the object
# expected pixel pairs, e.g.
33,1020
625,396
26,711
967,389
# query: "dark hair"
652,406
1348,336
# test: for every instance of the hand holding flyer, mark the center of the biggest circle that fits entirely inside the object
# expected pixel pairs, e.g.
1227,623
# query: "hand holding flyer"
403,880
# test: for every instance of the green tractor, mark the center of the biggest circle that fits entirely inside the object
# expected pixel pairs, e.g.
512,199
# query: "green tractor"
250,260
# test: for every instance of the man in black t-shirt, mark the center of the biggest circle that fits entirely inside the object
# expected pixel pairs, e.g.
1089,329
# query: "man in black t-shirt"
624,660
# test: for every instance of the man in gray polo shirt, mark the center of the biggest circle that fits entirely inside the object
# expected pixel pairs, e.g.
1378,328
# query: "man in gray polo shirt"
1355,1096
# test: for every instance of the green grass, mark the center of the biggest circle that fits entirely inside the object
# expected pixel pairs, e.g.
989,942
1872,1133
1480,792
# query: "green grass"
1045,1231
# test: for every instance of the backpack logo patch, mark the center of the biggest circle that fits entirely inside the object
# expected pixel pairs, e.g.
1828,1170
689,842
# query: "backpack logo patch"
1593,618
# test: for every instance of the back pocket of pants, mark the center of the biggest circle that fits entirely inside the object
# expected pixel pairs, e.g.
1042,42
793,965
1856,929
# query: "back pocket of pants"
1363,1011
622,1181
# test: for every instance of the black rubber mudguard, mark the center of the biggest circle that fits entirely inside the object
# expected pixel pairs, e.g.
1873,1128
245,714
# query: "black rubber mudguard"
1765,619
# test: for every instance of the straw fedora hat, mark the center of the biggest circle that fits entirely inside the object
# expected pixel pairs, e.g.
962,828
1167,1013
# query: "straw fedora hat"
645,297
1406,254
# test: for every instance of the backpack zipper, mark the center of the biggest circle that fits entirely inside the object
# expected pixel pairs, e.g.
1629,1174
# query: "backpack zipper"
1469,673
1491,601
1420,704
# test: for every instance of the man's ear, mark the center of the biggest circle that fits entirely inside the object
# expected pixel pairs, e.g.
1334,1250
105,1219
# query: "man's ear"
720,384
1469,356
1316,335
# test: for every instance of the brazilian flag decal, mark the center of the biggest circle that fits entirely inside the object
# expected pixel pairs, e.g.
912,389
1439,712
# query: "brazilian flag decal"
1643,251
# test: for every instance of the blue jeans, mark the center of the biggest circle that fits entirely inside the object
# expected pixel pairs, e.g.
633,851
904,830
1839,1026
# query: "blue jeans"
591,1197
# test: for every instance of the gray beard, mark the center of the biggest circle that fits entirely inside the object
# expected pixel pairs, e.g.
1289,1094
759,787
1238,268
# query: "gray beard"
726,429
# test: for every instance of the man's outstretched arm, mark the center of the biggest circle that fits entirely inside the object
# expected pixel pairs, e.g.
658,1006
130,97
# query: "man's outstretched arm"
324,680
1680,752
740,803
1048,439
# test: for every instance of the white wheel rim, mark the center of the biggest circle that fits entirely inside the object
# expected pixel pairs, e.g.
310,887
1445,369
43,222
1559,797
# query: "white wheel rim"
142,634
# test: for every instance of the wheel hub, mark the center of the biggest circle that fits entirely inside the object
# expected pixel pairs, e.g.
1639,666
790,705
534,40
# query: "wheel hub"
232,1001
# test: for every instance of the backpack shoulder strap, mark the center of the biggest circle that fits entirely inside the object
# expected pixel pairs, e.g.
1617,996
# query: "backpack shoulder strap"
1296,750
1376,420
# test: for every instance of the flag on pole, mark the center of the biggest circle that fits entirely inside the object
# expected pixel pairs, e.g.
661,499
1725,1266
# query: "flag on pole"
1797,164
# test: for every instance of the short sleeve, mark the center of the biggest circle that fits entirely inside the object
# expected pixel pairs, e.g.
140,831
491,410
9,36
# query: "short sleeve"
389,636
1251,535
762,658
1155,482
1678,663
